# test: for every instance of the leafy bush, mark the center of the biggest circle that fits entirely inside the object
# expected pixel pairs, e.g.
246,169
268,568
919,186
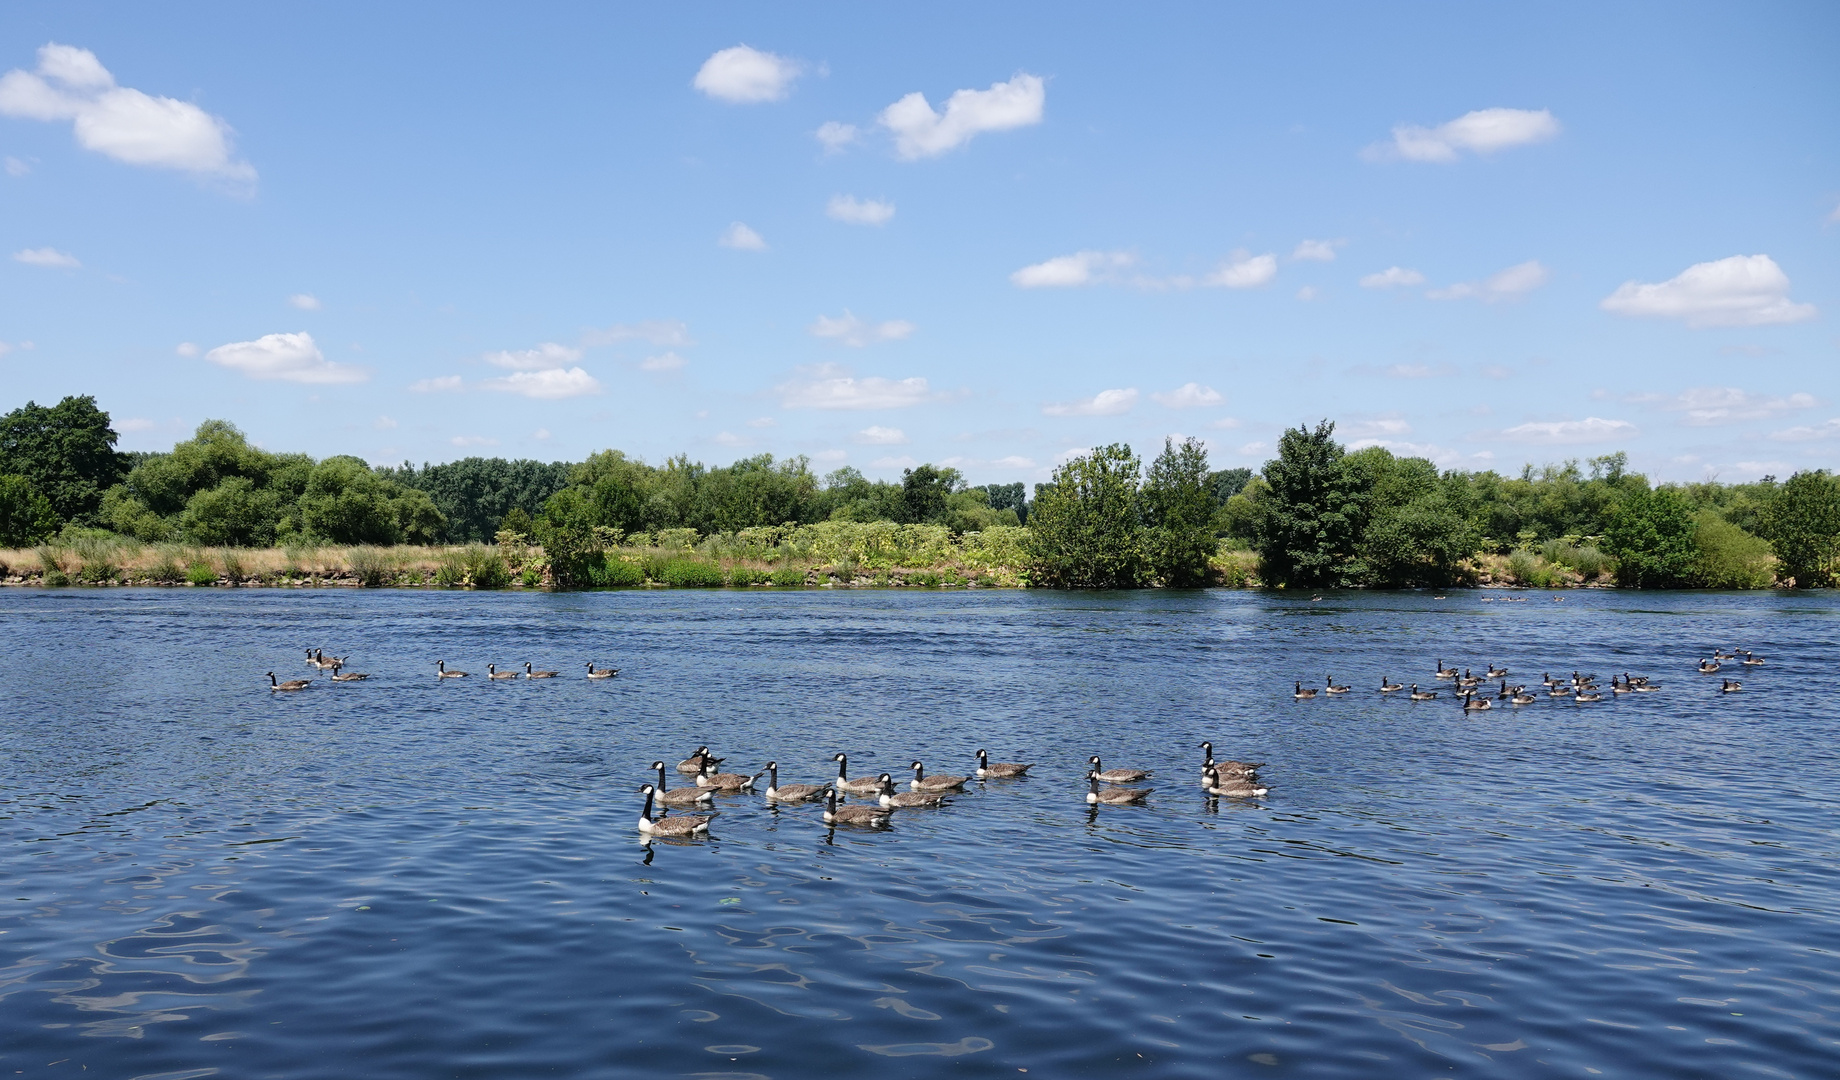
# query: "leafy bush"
166,569
1651,533
1803,524
99,572
370,566
613,572
1590,562
687,573
475,565
233,566
746,575
786,576
531,576
1083,531
26,516
1729,557
925,579
57,578
201,573
1529,569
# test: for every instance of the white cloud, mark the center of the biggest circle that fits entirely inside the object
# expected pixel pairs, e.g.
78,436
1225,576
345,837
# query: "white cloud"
1244,271
47,256
745,75
1392,277
547,355
830,457
827,386
1438,455
1374,429
1252,449
134,424
664,361
16,167
849,209
125,124
920,132
1226,423
1070,453
1317,250
1014,461
742,238
1308,292
288,357
186,348
473,440
1514,282
902,462
1829,430
729,438
1743,290
1559,432
383,423
835,135
550,384
1064,271
1707,406
1188,396
1482,132
655,331
440,384
305,301
881,436
763,422
541,434
1104,403
854,332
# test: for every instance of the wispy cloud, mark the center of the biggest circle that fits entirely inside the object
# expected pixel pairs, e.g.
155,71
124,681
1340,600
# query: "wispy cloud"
1393,277
1709,406
473,440
46,256
921,132
1812,433
741,238
1243,270
304,302
440,384
654,331
547,355
1592,429
1067,271
876,435
853,211
1743,290
1481,132
1510,284
1316,250
664,361
743,75
1104,403
828,386
549,384
1188,396
849,330
835,135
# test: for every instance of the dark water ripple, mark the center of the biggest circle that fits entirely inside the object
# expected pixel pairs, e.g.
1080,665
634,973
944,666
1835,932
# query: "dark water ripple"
413,878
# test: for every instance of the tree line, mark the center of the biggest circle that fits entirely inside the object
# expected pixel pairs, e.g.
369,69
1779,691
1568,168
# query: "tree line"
1317,515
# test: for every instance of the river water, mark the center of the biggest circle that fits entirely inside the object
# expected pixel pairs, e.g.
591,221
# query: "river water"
412,877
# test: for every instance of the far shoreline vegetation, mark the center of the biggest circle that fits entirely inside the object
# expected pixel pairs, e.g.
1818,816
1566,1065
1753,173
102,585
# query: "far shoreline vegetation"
217,511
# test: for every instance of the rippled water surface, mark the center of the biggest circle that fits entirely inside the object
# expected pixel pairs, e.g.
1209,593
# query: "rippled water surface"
412,877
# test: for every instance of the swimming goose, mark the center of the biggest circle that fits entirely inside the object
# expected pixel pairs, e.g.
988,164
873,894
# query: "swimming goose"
1114,796
1582,696
529,674
1643,686
726,782
871,816
1494,672
1422,695
1468,681
1002,770
1560,690
1215,784
683,796
441,672
905,798
1730,686
1302,694
340,675
865,786
1548,681
604,673
1750,660
1443,672
291,684
1522,697
1331,687
923,782
698,761
1623,687
1116,776
682,825
791,792
1387,687
317,658
1707,667
1472,703
1227,768
492,672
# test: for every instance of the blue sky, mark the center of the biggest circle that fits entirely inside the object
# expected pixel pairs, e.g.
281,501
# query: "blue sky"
1485,234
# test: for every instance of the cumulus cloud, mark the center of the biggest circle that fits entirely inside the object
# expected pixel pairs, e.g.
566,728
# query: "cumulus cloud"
655,331
921,132
827,386
1592,429
1244,271
742,238
854,332
1510,284
1393,277
1708,406
854,211
1481,132
835,135
47,256
440,384
1188,396
665,361
123,123
745,75
1066,271
287,357
304,301
1743,290
1441,456
547,355
1317,250
1828,430
877,435
550,384
1104,403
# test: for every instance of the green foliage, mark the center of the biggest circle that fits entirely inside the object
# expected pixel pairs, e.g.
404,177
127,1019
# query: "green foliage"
1554,501
746,575
1587,560
786,576
1178,512
346,502
612,572
67,451
1011,497
1802,521
26,516
1651,534
1418,529
685,573
1530,569
1729,557
475,496
233,566
235,513
201,572
474,566
1312,511
371,567
56,578
1084,527
166,570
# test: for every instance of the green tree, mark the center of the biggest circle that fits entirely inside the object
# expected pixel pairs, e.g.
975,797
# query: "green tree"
1311,511
1651,533
1803,524
1729,557
347,503
1418,528
1084,530
67,451
1178,513
923,492
474,494
26,516
235,513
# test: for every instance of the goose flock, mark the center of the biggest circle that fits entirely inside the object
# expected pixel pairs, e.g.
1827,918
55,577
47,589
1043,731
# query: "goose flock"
1474,694
317,658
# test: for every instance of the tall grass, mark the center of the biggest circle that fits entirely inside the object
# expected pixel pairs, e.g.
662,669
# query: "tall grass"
475,566
371,567
1530,569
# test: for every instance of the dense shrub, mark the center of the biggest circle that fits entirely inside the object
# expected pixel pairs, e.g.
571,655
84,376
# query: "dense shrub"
200,572
371,567
612,572
1729,557
787,576
746,575
682,573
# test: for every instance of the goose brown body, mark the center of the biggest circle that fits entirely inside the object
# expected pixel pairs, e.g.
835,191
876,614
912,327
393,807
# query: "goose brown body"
870,816
290,685
999,769
906,798
1116,776
683,796
1113,796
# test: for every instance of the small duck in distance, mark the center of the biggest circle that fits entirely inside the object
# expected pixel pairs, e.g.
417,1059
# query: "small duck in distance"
1389,687
290,685
441,672
1332,688
529,674
603,673
1302,694
1422,695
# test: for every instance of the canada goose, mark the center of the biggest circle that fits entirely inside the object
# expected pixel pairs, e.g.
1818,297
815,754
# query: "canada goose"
340,675
683,796
1707,667
1548,681
683,825
1582,696
317,658
492,672
1730,686
1443,672
1232,787
867,785
1472,703
310,661
1623,687
1423,695
791,792
291,684
1522,697
1226,768
1560,690
1331,687
905,798
1504,693
1116,776
1113,796
1494,672
1389,687
1644,687
725,781
1750,660
1468,681
1303,695
604,673
923,782
1002,770
698,761
529,674
440,670
871,816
